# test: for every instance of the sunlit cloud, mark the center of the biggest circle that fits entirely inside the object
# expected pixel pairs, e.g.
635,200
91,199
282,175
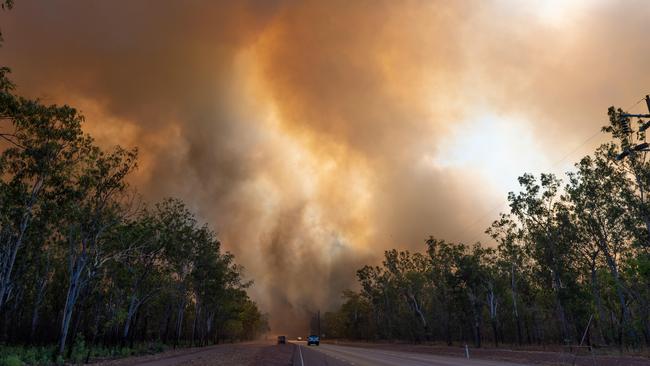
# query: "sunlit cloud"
493,149
314,135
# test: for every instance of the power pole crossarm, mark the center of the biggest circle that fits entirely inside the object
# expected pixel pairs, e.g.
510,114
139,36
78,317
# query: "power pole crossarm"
636,115
647,102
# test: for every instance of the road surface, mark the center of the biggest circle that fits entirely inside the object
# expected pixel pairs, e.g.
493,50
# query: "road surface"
333,355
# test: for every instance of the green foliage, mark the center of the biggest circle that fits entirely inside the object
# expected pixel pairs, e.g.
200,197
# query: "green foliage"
79,350
31,357
81,253
11,360
26,355
566,256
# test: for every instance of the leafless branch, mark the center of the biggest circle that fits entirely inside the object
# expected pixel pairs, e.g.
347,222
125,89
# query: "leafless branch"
9,137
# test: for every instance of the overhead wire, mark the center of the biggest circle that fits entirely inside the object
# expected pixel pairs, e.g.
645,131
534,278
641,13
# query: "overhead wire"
553,166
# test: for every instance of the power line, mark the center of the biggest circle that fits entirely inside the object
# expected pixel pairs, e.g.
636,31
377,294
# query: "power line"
635,104
553,166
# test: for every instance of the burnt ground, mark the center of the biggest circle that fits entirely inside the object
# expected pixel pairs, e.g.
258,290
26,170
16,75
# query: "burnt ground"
239,354
526,356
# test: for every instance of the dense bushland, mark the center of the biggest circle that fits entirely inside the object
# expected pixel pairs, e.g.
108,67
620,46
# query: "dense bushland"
569,257
84,262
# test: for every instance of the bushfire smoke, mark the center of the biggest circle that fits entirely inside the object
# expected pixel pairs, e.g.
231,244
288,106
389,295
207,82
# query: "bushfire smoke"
314,135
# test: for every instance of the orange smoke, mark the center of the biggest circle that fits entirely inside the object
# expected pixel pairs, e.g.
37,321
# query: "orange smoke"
313,135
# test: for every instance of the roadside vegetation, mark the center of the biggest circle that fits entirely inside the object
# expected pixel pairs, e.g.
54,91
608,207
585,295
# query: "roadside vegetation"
571,264
89,270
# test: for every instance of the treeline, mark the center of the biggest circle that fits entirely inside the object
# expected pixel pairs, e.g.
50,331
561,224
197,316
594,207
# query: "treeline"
571,259
82,259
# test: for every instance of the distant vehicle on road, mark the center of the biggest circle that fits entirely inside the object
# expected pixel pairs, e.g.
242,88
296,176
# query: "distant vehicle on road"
282,339
313,339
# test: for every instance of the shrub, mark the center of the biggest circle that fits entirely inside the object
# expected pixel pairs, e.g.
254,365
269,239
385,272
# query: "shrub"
125,352
11,360
30,356
79,351
157,347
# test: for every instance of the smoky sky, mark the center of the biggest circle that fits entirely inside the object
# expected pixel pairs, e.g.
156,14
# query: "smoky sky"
314,135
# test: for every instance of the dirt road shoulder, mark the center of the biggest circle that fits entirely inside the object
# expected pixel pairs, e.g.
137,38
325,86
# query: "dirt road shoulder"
250,353
516,356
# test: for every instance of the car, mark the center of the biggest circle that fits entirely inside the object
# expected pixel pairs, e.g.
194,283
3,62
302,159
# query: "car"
313,339
282,339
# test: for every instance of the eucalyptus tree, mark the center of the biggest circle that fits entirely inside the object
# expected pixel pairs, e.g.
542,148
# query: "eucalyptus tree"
67,226
214,275
93,209
637,272
597,191
637,167
535,208
353,320
253,321
142,270
178,232
444,258
409,274
380,293
42,144
494,287
508,236
472,275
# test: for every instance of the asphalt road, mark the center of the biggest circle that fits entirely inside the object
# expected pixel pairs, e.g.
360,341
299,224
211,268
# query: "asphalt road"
333,355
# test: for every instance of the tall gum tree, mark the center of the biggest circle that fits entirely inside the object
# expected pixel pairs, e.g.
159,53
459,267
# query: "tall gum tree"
94,208
535,207
508,237
597,191
42,146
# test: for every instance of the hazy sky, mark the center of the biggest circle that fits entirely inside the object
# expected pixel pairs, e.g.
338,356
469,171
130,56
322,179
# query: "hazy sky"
314,135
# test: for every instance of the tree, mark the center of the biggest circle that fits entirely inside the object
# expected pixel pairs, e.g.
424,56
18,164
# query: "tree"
93,208
511,258
536,209
142,269
597,191
43,145
637,167
444,258
69,225
408,273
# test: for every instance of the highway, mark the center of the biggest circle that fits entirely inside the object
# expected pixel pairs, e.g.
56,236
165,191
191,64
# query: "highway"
334,355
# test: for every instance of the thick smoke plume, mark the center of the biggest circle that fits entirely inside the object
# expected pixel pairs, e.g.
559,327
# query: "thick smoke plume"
313,135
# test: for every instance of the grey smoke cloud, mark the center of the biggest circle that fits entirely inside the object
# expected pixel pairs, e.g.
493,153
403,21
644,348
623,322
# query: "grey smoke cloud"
314,135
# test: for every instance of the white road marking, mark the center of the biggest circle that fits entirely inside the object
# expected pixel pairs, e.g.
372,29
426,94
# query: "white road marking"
302,363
